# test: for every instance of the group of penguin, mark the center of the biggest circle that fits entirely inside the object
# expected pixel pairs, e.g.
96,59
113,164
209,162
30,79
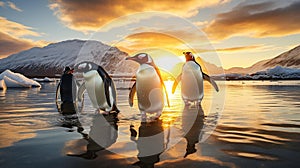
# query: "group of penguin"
148,86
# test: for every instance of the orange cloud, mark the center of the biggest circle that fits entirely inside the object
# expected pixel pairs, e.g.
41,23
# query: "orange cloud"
15,29
186,34
10,45
231,49
239,48
147,40
91,15
12,37
256,20
172,40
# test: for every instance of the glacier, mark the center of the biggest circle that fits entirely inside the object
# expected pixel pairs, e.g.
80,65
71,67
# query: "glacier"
275,73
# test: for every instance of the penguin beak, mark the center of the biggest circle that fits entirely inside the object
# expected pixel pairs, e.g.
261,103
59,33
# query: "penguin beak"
130,58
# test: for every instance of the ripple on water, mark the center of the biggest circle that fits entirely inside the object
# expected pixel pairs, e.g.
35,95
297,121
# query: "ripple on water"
254,136
252,155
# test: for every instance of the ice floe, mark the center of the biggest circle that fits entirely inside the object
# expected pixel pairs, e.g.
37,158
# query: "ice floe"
16,80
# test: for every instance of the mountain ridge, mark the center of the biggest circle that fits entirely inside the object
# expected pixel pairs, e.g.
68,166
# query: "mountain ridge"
51,59
288,59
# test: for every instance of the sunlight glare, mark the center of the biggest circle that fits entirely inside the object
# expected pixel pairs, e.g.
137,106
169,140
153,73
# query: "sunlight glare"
169,84
167,62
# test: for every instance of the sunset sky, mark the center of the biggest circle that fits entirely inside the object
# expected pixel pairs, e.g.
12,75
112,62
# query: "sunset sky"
229,33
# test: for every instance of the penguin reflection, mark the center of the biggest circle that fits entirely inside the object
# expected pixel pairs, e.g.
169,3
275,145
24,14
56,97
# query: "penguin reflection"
192,124
150,142
70,121
103,133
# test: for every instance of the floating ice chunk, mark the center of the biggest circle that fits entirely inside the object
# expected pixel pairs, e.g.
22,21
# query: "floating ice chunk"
46,79
12,79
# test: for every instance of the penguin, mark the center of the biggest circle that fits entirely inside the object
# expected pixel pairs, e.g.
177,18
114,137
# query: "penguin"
149,86
99,85
191,79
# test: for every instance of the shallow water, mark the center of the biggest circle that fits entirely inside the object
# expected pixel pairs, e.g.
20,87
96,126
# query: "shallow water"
246,124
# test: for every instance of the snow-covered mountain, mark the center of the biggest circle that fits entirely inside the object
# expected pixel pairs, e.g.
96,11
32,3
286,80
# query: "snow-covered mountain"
52,59
289,59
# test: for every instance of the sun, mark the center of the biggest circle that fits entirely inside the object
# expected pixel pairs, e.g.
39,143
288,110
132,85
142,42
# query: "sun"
169,65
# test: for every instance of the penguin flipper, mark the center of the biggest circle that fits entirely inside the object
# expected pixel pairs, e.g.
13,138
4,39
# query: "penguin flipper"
81,91
56,97
176,83
211,81
162,82
107,82
131,94
106,90
57,90
114,94
166,93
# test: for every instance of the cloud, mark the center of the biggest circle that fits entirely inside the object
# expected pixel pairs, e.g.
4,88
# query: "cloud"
256,20
201,24
13,6
10,45
184,34
169,40
16,29
91,15
174,39
12,37
239,48
146,40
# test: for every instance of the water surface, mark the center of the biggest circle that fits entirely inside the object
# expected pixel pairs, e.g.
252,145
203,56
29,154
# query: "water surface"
246,124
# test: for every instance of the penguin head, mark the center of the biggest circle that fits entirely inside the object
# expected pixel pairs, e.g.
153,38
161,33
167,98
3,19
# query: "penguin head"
85,66
189,56
141,58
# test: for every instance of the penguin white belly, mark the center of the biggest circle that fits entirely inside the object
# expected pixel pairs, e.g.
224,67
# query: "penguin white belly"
149,90
95,89
191,82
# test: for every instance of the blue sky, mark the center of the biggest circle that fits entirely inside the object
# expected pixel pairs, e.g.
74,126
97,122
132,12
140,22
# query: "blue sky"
236,32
